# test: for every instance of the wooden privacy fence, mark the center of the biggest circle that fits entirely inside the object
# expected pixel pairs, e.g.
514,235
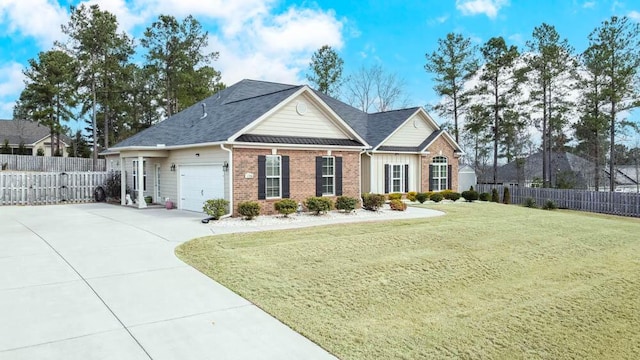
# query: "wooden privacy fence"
42,188
47,163
615,203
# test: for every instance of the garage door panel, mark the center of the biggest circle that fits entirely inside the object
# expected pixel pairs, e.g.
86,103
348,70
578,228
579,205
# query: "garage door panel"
199,183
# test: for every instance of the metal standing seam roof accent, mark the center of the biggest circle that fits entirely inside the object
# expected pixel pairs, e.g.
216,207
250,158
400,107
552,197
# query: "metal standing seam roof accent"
296,140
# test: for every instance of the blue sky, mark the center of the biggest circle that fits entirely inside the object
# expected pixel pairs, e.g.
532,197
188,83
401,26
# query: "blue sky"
273,40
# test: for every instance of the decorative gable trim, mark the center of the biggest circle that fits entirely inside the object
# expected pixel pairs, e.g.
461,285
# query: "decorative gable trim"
448,138
419,111
317,101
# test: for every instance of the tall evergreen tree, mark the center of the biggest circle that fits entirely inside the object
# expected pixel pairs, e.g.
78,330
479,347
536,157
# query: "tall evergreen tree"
325,70
618,42
102,54
176,58
453,64
49,93
551,64
499,81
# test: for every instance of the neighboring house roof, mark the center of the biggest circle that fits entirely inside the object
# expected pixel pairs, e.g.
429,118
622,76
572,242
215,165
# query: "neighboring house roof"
530,168
235,109
626,174
24,131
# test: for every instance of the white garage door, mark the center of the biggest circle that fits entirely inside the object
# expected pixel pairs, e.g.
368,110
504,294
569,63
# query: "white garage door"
199,183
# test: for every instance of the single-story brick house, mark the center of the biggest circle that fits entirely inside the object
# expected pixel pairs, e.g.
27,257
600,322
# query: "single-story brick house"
266,141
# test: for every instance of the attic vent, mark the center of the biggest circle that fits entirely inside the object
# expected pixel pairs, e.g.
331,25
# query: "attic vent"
204,111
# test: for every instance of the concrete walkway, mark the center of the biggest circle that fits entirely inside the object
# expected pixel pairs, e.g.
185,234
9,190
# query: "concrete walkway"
98,281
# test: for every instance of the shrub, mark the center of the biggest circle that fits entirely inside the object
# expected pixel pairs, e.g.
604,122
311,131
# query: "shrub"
348,204
494,196
112,185
506,197
451,195
411,195
484,196
422,197
446,193
530,203
437,197
372,202
470,195
395,196
215,208
398,205
549,205
285,206
319,205
249,209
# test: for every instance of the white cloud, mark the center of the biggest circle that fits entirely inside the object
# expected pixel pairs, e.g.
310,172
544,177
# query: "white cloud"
490,8
634,15
276,48
517,39
589,4
438,20
129,15
11,79
40,19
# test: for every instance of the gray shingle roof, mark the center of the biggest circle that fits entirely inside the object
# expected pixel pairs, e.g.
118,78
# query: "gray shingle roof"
235,107
17,131
228,112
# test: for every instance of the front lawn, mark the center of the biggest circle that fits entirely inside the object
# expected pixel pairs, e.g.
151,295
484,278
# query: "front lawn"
485,281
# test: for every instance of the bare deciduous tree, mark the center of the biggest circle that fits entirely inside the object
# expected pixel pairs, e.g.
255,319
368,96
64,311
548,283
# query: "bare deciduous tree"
374,89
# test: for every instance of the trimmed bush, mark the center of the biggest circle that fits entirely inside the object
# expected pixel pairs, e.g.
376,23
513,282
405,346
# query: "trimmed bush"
495,197
285,206
112,185
436,197
345,203
530,203
319,205
549,205
372,202
506,196
470,195
452,195
398,205
249,209
422,197
395,196
215,208
485,196
411,195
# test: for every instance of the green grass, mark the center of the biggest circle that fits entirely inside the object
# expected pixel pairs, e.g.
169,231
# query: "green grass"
485,281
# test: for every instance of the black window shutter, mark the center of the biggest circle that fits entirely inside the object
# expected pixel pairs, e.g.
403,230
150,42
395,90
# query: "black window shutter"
338,173
431,169
285,177
406,177
318,175
449,177
387,169
262,177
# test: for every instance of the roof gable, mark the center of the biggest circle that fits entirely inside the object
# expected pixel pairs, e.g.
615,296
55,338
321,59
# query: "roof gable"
24,131
412,131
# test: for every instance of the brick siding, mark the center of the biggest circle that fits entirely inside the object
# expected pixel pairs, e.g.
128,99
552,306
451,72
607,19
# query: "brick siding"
440,145
302,175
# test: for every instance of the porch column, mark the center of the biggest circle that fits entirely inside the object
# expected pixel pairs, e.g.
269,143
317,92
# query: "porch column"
140,174
123,183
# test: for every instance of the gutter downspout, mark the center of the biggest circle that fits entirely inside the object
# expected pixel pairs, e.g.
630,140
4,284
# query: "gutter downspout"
230,173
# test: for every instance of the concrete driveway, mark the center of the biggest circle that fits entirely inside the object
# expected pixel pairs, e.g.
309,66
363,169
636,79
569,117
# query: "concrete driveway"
99,281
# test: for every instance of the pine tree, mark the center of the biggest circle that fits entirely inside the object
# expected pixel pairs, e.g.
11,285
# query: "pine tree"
325,70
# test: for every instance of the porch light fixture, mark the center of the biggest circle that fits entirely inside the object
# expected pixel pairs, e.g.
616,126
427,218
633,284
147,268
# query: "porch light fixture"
173,167
225,166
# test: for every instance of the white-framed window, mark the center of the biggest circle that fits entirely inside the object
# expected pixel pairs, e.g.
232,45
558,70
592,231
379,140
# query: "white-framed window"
273,172
135,175
397,178
440,171
328,175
